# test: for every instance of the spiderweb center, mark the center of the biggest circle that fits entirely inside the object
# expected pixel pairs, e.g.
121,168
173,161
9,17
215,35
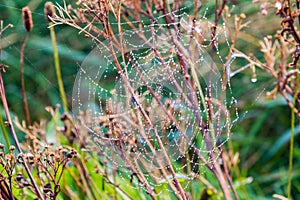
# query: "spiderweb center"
142,110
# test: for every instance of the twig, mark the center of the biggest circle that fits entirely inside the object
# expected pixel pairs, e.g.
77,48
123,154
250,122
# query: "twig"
9,122
25,104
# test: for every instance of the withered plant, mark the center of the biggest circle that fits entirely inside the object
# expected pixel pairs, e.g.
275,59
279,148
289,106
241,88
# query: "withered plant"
151,104
33,168
135,132
281,55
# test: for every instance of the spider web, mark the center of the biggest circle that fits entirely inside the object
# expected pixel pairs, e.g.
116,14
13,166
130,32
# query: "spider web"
145,111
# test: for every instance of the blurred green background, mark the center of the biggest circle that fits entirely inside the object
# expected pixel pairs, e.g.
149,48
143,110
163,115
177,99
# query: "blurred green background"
260,135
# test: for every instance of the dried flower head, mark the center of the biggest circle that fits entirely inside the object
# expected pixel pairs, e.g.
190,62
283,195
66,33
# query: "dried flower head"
47,188
19,177
49,10
12,148
264,8
20,158
27,18
30,158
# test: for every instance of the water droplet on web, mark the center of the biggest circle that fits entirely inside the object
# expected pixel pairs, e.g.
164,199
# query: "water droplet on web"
253,78
118,106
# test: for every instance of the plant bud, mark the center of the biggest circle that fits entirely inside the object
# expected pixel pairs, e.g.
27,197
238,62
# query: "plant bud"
27,18
49,10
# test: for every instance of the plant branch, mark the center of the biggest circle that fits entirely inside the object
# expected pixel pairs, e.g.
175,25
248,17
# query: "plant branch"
9,122
25,104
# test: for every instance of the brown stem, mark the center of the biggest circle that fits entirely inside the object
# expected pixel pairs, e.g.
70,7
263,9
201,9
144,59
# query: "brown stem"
217,169
25,104
221,180
228,177
143,112
9,122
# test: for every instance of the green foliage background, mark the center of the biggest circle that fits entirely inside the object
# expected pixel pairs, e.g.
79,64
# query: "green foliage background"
260,136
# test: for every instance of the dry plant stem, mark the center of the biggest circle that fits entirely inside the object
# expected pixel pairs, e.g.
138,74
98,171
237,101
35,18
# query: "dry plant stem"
154,153
117,186
145,116
4,132
224,84
217,170
182,59
216,167
193,102
141,179
229,178
5,105
284,92
176,182
193,98
169,115
24,99
221,180
85,177
57,69
154,47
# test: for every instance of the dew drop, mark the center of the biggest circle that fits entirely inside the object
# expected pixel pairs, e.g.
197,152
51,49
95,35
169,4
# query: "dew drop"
253,78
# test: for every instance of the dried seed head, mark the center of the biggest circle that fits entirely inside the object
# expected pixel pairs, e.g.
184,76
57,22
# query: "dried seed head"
57,158
25,183
242,16
20,158
12,148
38,157
69,155
63,117
49,10
9,157
47,188
30,158
19,177
27,18
264,9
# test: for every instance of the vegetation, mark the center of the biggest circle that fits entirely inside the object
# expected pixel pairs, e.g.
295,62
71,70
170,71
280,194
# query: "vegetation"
159,99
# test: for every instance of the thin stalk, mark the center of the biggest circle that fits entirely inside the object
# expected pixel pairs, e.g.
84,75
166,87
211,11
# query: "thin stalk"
57,68
176,182
290,172
4,132
9,122
25,104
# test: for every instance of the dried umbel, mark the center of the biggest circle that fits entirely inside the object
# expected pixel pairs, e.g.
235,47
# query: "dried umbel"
27,18
49,10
